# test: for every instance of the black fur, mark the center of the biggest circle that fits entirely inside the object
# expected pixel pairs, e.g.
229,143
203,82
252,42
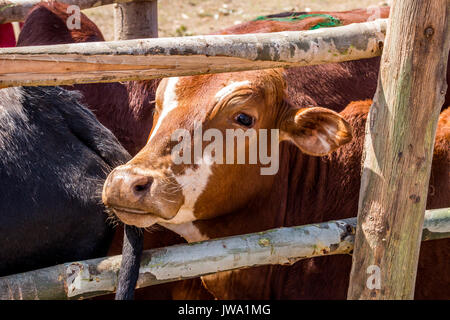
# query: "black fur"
54,158
133,242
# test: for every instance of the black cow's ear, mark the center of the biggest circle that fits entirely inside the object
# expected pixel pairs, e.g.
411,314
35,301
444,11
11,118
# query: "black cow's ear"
316,131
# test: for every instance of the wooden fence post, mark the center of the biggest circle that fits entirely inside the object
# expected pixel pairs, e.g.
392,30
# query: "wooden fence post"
398,150
136,20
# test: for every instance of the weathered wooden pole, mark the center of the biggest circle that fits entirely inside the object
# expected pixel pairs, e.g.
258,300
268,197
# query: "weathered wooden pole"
95,277
399,141
167,57
136,20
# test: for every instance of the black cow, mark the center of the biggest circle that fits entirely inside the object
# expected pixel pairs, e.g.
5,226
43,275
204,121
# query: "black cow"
54,157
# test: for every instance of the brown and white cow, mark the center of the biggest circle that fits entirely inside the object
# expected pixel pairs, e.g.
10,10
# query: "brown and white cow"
307,86
317,180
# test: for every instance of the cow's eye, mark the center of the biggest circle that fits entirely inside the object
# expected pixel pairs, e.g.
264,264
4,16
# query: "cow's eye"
244,119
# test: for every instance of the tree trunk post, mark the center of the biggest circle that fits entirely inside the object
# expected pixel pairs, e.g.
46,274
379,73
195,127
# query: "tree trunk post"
400,133
136,20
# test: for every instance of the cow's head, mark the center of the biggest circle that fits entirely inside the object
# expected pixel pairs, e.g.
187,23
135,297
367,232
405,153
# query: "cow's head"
169,183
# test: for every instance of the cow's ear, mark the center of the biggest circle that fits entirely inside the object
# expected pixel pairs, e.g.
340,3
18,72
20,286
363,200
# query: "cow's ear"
316,131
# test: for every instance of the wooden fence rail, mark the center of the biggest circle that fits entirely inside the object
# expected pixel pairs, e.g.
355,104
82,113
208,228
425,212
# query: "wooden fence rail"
278,246
16,10
165,57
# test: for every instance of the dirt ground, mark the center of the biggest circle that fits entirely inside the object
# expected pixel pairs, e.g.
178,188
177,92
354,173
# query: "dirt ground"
196,17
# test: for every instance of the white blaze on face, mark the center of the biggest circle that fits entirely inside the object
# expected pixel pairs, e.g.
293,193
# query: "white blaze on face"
170,102
193,183
222,93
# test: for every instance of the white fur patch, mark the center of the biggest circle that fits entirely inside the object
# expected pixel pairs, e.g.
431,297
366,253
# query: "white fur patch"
192,183
141,171
12,99
11,110
187,230
222,93
170,102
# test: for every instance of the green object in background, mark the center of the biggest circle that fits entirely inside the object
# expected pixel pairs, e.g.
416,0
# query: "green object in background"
330,20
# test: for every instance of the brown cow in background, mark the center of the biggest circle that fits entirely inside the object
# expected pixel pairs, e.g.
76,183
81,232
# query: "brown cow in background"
124,108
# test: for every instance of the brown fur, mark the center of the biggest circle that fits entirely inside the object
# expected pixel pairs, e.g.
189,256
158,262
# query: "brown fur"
316,189
305,185
343,82
305,190
46,24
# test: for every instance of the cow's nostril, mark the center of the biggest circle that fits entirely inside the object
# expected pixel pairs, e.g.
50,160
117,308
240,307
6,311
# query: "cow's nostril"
142,185
140,188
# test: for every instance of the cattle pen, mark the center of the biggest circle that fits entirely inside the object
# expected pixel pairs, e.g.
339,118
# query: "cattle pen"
387,193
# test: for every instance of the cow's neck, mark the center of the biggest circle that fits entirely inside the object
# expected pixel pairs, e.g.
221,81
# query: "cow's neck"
306,190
